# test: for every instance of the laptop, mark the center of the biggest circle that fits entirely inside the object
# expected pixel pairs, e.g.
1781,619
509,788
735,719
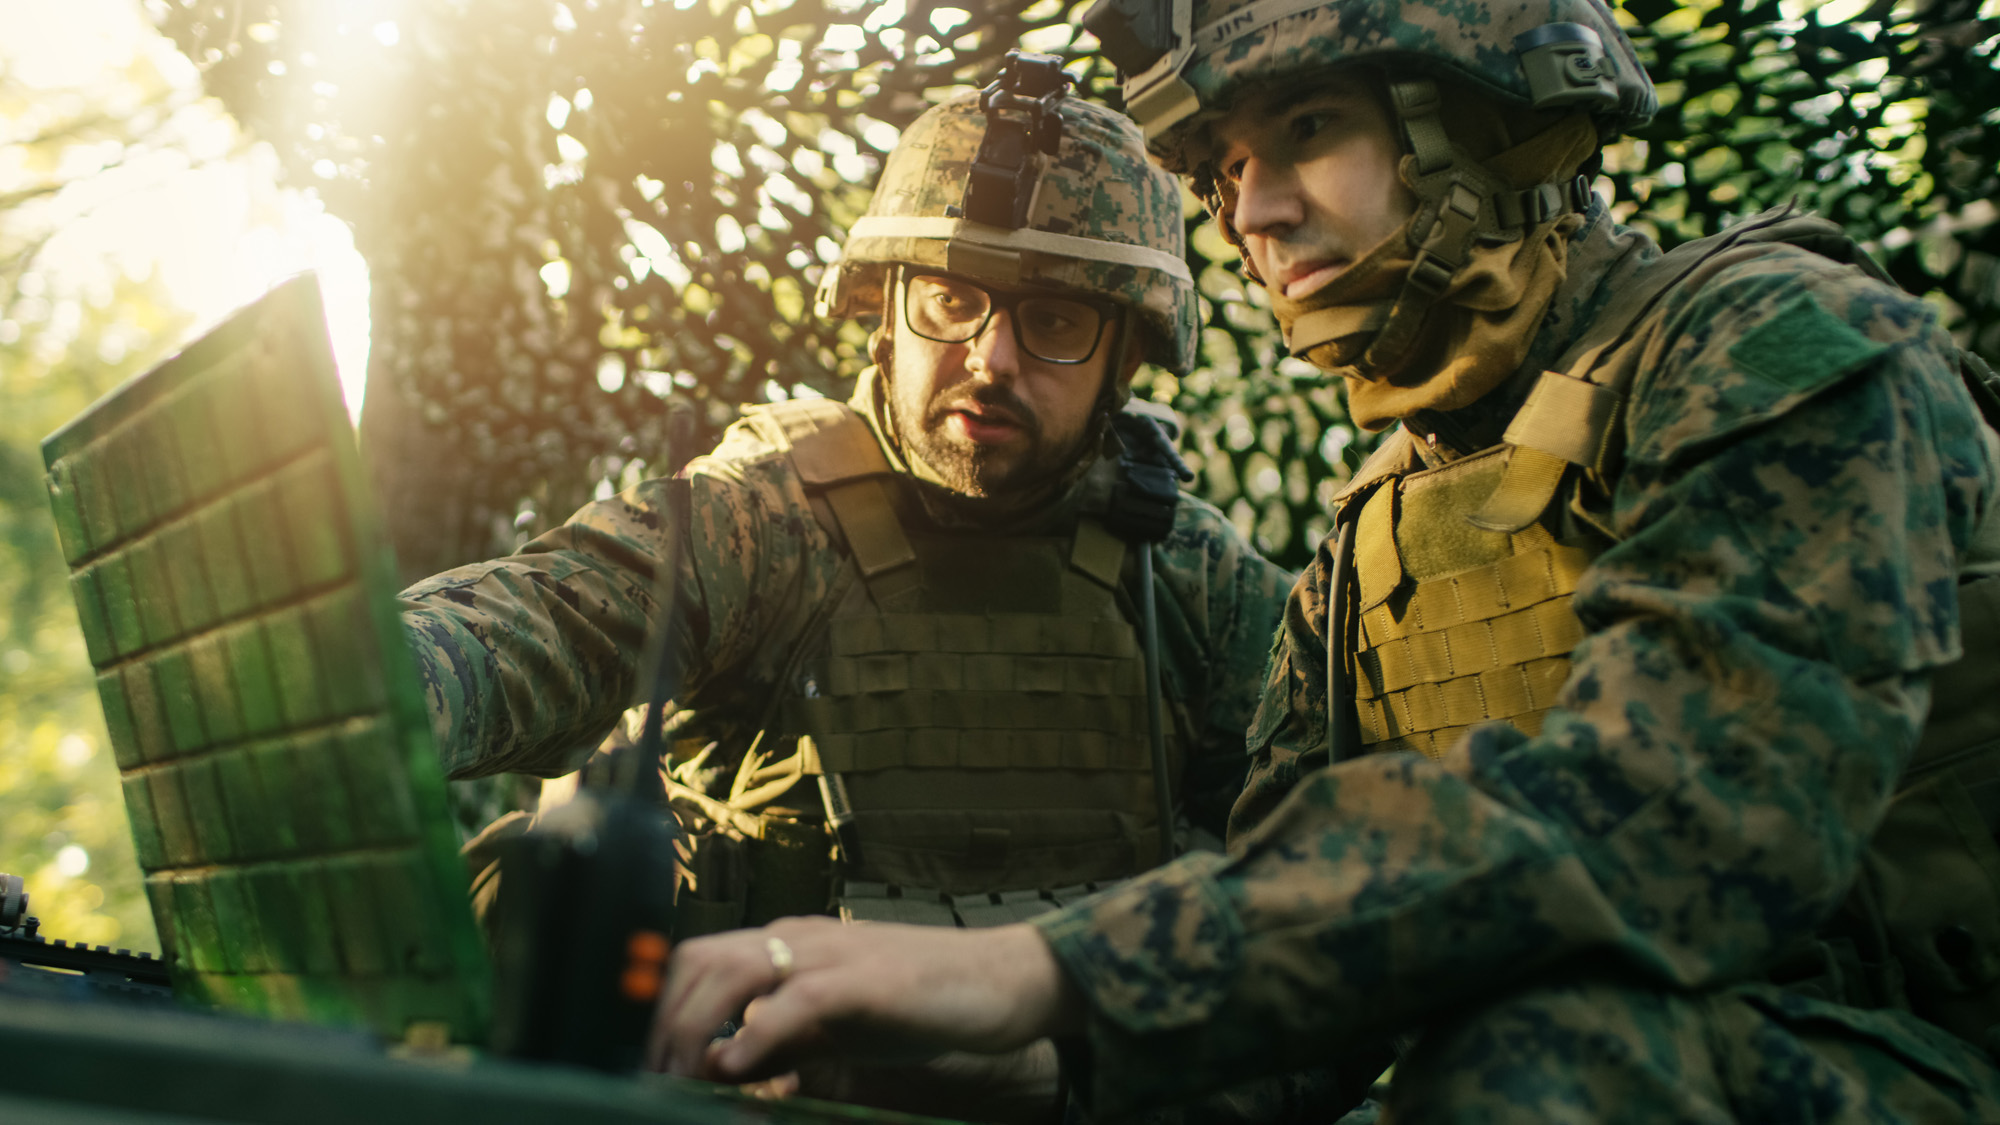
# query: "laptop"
238,602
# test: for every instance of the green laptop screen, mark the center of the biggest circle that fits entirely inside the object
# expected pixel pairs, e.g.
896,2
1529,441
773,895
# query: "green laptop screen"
238,602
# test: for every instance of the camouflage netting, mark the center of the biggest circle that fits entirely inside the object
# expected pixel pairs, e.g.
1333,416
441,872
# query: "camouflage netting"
574,211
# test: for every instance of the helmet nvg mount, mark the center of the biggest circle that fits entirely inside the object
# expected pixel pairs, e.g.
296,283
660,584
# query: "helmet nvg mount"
1021,184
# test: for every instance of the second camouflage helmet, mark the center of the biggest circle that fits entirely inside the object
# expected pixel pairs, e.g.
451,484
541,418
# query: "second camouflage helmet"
1099,219
1184,61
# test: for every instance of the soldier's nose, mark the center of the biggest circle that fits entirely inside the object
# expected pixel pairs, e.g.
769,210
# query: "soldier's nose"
1267,198
995,355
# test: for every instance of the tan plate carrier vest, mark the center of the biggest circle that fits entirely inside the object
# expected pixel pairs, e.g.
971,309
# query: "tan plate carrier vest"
1460,613
1458,625
980,698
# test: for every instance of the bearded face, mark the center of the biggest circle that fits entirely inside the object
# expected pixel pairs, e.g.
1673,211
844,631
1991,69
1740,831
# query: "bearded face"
985,414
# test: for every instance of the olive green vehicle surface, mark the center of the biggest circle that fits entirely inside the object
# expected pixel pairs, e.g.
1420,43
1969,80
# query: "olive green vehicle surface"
101,1064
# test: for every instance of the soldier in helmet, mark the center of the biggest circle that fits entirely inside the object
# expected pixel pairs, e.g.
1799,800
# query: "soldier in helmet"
911,625
1629,750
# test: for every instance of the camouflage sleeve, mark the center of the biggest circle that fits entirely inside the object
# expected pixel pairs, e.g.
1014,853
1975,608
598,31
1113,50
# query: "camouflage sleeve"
1219,604
1803,467
528,661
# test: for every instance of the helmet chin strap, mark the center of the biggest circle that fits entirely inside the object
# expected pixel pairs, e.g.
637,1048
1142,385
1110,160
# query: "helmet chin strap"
1113,394
1464,204
1460,202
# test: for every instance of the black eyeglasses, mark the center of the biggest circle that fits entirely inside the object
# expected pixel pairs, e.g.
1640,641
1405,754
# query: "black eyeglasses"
952,310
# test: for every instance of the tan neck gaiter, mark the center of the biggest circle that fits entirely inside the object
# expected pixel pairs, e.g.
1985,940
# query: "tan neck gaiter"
1478,331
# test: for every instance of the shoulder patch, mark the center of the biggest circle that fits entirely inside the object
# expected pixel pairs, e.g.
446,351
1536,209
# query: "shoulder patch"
1802,345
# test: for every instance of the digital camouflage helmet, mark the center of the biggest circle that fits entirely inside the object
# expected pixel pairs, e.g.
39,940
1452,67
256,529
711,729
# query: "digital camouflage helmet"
1020,183
1186,63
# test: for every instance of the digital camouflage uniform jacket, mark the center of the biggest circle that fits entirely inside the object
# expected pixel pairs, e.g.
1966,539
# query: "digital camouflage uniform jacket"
528,661
1788,523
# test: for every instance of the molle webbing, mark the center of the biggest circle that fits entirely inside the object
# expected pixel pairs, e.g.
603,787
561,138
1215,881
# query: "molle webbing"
982,698
986,747
1468,648
880,902
1019,691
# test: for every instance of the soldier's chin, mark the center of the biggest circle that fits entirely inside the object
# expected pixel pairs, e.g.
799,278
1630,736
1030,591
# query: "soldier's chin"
983,473
986,478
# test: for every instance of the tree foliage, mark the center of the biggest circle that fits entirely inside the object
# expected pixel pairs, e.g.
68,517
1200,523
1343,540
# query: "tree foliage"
1884,120
62,345
62,824
576,211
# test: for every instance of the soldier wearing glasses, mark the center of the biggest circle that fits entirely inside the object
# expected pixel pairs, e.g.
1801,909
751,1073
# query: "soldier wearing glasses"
913,625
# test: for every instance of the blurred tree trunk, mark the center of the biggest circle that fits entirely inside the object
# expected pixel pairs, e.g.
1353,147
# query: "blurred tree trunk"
428,523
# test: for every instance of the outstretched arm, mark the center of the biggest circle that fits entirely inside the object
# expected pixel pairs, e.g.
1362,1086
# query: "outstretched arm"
528,660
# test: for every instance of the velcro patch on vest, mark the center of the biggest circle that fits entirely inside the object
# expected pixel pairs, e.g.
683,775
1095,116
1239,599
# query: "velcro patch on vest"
1097,553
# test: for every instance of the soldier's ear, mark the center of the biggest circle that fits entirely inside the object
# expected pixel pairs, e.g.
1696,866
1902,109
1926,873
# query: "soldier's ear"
878,345
1131,350
1132,362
